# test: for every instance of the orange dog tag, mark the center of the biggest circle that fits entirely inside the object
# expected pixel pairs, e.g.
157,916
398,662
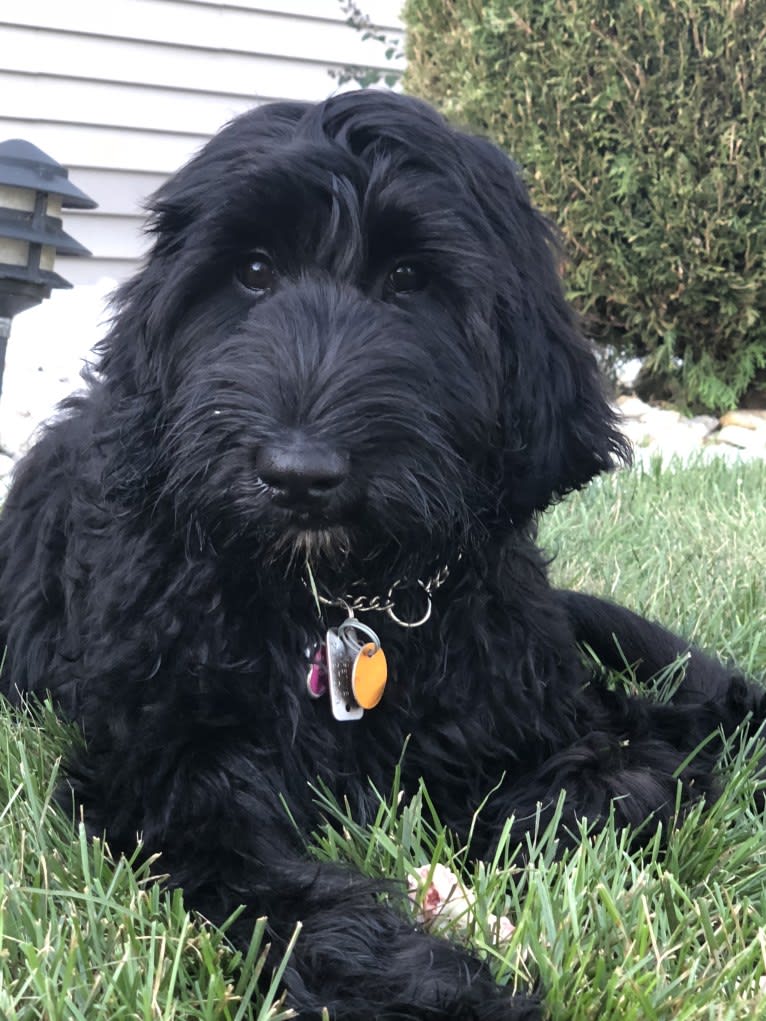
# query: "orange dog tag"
370,672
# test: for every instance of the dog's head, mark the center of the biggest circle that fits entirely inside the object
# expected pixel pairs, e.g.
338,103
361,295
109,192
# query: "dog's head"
351,333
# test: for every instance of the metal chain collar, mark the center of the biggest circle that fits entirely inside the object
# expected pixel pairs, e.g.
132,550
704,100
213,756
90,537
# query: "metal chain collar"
380,604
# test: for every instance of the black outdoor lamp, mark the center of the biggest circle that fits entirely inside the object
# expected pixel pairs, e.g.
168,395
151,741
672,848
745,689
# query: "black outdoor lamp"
33,190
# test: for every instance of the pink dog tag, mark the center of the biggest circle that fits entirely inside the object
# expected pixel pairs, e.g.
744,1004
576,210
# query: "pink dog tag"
316,677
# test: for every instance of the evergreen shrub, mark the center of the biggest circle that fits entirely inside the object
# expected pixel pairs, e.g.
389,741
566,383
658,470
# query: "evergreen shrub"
641,127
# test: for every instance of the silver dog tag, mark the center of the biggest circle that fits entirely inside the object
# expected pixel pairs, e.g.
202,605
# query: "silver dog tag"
340,665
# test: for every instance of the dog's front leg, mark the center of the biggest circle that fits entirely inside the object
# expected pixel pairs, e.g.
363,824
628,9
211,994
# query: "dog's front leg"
360,957
218,821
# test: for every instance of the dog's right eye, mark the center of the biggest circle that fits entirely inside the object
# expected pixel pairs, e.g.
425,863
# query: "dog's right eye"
406,278
258,274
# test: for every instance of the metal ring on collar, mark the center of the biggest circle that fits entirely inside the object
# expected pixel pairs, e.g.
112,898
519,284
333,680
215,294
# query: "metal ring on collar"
409,623
352,624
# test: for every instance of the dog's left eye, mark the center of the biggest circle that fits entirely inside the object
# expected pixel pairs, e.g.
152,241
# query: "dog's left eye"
258,274
405,278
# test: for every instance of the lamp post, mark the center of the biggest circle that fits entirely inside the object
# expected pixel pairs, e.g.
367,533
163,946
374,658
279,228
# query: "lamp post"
33,190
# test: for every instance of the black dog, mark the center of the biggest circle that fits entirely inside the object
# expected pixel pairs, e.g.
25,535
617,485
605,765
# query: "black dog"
346,378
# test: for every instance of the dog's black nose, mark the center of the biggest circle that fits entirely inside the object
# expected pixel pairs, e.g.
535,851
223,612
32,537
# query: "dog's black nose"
301,474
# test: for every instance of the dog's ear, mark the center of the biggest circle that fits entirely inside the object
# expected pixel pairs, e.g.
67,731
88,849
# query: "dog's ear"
558,429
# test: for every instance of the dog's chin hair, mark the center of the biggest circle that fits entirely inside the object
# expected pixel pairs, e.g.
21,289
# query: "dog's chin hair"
313,546
323,544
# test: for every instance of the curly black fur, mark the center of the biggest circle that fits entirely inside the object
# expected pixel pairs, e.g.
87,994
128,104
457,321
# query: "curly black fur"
352,284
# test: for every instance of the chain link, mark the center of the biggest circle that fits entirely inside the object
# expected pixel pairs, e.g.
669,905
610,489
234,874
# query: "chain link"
379,604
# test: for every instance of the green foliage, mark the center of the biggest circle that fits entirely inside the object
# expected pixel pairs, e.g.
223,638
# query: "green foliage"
366,77
642,128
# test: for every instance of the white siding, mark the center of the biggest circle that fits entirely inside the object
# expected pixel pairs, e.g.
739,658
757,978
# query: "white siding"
124,91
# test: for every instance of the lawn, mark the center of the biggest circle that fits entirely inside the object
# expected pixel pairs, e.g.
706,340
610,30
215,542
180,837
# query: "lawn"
677,931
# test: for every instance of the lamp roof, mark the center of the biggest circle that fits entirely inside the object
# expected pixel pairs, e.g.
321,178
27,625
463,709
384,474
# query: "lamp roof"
23,165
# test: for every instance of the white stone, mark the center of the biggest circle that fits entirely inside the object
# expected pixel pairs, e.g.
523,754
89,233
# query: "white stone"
636,430
743,419
703,425
626,371
661,421
738,436
724,452
631,406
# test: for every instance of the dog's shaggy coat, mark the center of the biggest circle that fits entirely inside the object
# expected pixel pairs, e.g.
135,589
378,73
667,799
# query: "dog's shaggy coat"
349,346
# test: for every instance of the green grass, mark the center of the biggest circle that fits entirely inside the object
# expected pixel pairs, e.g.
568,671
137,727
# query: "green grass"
686,547
677,931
